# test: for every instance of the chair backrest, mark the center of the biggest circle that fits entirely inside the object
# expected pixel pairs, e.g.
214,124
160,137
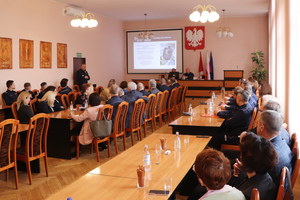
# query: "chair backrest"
3,102
8,142
76,88
137,112
58,97
149,106
65,101
36,139
108,110
36,92
280,191
72,97
171,98
119,123
58,88
99,89
295,165
184,94
255,194
158,104
179,93
259,103
33,105
252,119
14,110
294,141
256,119
165,101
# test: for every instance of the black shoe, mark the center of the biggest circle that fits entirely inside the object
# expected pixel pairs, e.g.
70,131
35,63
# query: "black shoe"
102,146
128,134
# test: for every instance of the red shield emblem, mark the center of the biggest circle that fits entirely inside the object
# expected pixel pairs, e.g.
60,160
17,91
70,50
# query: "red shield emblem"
194,37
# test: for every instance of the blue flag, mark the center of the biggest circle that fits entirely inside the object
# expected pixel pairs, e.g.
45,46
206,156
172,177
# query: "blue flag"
211,63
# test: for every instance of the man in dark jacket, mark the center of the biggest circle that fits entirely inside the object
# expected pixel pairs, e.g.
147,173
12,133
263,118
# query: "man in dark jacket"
82,76
10,96
140,88
115,100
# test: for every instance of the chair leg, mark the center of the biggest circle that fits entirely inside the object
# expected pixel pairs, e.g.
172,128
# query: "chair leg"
92,145
154,121
145,129
77,147
124,141
152,126
7,174
116,144
16,177
131,133
166,117
108,146
29,171
96,149
46,165
169,116
160,121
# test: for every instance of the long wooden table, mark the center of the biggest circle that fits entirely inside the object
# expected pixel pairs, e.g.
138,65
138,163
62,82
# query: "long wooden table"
5,112
117,178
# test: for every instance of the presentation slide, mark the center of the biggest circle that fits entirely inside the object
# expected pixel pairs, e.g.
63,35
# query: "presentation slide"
157,55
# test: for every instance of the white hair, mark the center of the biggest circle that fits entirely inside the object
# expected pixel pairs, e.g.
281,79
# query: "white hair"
132,85
140,86
152,83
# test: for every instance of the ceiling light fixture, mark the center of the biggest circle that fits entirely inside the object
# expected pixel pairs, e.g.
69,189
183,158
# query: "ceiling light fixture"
144,34
87,20
205,16
224,31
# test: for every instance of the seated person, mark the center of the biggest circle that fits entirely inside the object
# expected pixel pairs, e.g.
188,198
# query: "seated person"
82,99
258,157
240,121
131,96
10,96
188,75
228,108
27,88
124,85
174,83
152,87
49,104
91,89
42,90
23,108
213,171
253,83
115,100
253,98
164,86
171,74
140,88
105,95
64,87
49,88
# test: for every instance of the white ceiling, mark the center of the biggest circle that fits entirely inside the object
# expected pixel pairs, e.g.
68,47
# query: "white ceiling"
132,10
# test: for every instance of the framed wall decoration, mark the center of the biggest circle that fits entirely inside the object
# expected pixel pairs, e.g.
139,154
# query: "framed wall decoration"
5,53
62,55
26,53
46,54
194,37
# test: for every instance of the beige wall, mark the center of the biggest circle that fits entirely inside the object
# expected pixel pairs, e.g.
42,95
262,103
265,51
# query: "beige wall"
250,33
43,20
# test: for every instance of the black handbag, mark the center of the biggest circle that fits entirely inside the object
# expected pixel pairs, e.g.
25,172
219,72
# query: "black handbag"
101,128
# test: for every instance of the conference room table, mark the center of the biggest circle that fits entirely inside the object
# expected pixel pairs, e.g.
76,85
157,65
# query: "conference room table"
58,140
5,112
117,178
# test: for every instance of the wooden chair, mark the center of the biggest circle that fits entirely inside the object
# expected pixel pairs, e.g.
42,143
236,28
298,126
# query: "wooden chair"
136,120
33,105
256,119
65,101
119,125
8,144
255,194
184,97
58,88
36,142
72,97
3,102
99,89
296,166
14,110
108,110
149,113
171,104
294,141
178,102
280,191
76,88
36,92
252,119
58,97
157,109
164,105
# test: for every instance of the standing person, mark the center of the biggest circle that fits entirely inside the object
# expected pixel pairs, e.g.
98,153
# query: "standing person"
27,88
10,96
23,108
64,86
83,97
188,75
82,76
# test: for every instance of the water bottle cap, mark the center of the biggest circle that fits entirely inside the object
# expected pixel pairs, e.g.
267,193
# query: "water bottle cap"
146,146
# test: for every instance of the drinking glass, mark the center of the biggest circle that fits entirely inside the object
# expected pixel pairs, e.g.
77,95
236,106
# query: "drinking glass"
158,153
167,183
151,196
186,139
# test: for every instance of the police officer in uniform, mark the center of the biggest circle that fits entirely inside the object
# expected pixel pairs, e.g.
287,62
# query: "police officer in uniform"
82,76
10,96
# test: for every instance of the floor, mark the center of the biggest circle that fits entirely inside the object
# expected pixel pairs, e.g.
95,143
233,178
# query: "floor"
63,172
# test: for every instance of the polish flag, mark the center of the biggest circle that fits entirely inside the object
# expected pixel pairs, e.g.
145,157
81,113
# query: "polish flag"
207,66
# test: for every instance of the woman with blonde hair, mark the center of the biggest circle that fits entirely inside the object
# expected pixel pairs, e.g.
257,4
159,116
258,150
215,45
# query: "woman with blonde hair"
49,104
23,108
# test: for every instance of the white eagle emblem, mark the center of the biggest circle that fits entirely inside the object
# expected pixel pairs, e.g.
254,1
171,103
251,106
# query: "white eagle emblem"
194,38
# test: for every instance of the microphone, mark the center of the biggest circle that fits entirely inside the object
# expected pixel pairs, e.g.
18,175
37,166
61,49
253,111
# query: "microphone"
187,113
204,103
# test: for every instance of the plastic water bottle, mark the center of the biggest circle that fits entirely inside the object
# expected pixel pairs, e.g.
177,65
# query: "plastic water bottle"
147,159
177,142
71,106
190,109
86,104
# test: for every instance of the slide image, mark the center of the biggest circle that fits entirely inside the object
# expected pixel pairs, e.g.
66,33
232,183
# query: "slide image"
167,53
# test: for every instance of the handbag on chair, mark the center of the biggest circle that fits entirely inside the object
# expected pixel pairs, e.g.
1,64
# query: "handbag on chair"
101,128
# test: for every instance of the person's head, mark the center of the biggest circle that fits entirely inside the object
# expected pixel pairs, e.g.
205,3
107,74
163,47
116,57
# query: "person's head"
110,82
257,153
64,82
269,124
10,84
187,70
169,82
123,85
131,86
243,82
242,97
94,99
271,105
152,83
50,88
83,67
85,88
23,99
49,97
266,98
212,168
173,80
140,86
163,81
43,85
236,90
114,90
173,70
248,88
27,86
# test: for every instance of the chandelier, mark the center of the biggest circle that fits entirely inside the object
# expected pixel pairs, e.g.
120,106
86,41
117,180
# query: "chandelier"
205,16
224,31
145,34
84,20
